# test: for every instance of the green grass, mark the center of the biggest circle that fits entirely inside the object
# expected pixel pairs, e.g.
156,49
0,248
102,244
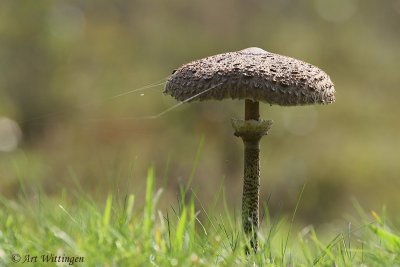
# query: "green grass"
122,234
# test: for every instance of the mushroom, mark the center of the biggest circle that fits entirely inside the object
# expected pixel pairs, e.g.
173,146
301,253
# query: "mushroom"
254,75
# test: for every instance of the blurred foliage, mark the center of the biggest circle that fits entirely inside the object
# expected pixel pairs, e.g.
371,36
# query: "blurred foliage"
62,63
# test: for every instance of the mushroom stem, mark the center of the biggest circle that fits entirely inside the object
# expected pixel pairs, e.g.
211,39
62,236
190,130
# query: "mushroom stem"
251,182
251,130
252,110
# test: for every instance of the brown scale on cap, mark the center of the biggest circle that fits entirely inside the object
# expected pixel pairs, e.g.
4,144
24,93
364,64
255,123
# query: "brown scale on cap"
252,74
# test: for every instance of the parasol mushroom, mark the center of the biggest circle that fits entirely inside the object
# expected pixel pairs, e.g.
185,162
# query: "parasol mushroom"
254,75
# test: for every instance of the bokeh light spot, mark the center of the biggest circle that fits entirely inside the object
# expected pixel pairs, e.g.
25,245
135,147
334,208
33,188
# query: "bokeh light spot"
10,134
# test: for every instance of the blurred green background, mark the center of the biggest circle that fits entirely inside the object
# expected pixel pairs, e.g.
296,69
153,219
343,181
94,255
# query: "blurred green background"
61,63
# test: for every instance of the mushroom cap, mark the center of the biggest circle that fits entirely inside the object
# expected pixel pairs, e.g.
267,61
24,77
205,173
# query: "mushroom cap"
254,74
